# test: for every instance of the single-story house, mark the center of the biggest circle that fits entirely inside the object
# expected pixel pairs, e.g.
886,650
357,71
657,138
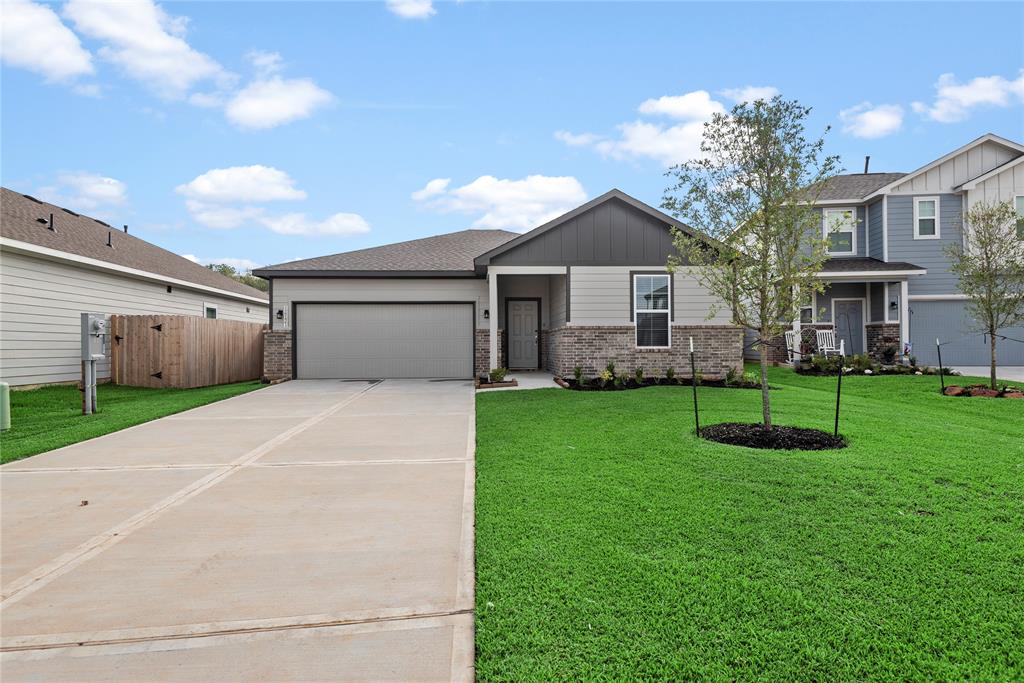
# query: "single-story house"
56,264
587,288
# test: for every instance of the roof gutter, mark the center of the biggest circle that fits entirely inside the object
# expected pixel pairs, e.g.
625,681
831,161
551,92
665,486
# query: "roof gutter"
267,273
19,247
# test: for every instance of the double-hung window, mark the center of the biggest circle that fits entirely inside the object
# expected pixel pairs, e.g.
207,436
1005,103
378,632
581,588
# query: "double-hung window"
840,230
651,310
1018,204
926,218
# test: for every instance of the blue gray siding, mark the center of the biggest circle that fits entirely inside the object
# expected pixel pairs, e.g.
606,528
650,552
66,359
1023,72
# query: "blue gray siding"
839,290
877,303
925,253
875,239
610,234
949,322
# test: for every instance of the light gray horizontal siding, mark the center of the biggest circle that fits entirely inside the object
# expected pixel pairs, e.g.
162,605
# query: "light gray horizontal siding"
926,253
557,307
41,305
600,295
287,290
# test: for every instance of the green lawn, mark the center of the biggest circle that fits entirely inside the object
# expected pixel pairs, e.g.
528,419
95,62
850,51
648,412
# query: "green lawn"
51,417
613,544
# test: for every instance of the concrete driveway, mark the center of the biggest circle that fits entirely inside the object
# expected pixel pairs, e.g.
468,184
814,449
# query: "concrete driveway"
1011,373
314,530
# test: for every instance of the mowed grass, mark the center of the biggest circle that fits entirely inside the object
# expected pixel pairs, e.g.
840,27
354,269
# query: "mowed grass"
50,417
611,543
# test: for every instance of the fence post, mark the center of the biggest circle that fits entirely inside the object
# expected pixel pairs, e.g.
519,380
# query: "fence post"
839,392
942,379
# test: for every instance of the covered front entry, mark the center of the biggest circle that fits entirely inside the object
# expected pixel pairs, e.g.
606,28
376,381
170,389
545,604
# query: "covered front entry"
848,318
523,316
383,340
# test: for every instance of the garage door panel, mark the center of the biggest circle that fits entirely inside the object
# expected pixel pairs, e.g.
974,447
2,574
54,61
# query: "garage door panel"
368,341
949,322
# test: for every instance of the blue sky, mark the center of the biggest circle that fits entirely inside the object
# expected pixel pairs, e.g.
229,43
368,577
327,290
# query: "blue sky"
265,132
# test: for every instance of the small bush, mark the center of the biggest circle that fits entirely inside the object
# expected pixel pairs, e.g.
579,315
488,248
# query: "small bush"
610,368
670,374
639,375
730,376
698,378
497,375
605,376
577,372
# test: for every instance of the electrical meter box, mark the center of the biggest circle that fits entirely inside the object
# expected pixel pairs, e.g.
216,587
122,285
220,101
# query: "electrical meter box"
94,336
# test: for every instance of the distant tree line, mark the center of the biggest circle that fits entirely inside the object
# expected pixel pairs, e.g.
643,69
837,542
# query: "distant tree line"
245,277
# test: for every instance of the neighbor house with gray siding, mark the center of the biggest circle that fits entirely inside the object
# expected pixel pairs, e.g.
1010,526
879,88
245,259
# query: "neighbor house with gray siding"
587,288
888,279
56,264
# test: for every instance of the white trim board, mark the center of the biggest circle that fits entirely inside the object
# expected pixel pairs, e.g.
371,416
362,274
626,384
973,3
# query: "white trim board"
95,264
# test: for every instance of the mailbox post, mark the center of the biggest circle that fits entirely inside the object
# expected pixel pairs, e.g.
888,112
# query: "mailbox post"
94,348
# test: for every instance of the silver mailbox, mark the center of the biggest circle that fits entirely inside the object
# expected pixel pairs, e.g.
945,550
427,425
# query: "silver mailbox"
94,336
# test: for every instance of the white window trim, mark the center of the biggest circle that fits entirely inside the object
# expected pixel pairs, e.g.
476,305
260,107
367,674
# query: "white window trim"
636,311
1019,216
938,222
215,310
825,231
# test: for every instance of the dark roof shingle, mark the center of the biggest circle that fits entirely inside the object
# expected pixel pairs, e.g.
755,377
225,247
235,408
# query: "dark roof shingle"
856,265
453,251
83,236
855,185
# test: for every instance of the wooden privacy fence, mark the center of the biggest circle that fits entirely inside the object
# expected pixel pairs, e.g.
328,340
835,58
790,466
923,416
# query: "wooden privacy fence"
183,351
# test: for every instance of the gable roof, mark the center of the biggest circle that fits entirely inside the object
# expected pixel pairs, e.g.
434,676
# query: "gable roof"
988,137
450,254
24,219
973,182
853,187
614,193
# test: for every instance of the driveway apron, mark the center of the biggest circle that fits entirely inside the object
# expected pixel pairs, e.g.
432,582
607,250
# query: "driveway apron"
313,530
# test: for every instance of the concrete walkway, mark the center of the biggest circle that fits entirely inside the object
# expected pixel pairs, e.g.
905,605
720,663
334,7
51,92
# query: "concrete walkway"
315,530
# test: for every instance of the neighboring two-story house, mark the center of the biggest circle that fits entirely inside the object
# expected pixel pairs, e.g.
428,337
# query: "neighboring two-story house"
888,277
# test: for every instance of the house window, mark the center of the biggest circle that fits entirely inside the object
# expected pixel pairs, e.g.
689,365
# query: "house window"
1018,204
210,311
840,229
651,302
926,218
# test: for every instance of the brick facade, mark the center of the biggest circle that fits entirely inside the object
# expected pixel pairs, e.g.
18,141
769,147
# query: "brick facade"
719,348
881,335
481,363
277,354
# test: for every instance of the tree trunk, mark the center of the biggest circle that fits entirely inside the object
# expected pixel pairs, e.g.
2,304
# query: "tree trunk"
766,407
992,360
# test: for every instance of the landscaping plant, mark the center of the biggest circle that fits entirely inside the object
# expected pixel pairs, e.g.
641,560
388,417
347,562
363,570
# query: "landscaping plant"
497,375
990,268
752,190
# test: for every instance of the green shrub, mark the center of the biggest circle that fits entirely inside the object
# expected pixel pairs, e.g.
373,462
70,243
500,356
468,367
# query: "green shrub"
610,368
639,375
826,364
670,374
605,376
498,375
730,377
577,372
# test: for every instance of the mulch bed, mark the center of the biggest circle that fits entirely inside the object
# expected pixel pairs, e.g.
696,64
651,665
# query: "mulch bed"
783,438
596,384
984,391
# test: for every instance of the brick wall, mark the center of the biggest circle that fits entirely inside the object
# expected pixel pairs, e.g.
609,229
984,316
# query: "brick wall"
277,354
718,348
877,334
777,347
481,364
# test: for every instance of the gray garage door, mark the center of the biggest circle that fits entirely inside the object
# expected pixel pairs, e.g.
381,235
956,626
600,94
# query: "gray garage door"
948,322
370,341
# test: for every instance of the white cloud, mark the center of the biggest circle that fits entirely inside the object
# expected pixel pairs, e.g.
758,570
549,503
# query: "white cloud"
868,121
33,37
577,140
265,62
82,191
513,204
954,101
88,89
273,101
220,216
412,9
239,264
146,43
432,188
242,184
340,224
692,105
750,93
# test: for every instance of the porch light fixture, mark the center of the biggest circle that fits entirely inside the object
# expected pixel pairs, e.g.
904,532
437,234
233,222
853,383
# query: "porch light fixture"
487,314
892,305
280,314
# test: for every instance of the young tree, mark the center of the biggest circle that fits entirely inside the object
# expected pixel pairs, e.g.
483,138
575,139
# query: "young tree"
990,265
753,191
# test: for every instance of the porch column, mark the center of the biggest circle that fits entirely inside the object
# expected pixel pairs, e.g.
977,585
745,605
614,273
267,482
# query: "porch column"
798,337
492,306
904,313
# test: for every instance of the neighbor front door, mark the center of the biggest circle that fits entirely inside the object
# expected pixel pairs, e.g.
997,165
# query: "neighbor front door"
849,322
523,328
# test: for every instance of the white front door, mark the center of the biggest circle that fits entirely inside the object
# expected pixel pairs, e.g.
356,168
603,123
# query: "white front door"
523,329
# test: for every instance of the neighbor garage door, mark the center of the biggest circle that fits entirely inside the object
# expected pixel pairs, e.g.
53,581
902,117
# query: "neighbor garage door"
948,322
393,340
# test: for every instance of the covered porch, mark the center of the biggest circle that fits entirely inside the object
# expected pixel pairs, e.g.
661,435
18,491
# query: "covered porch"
865,302
526,304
